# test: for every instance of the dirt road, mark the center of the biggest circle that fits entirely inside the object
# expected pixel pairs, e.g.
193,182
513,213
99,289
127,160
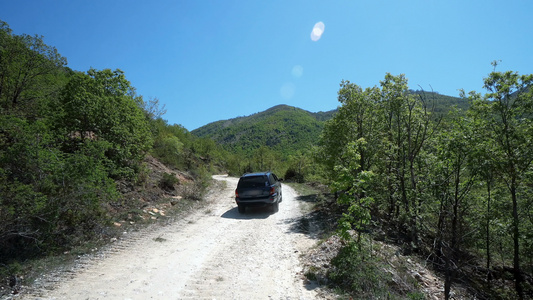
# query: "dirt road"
216,253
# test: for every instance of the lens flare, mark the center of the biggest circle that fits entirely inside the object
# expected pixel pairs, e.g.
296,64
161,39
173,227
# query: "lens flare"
317,31
297,71
287,90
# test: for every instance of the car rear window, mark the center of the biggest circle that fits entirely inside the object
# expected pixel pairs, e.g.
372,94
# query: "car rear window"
252,182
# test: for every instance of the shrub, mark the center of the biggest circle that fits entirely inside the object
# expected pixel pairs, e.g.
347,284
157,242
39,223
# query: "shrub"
168,181
359,274
292,175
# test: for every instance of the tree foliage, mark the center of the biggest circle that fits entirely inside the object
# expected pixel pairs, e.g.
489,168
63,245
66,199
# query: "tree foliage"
66,139
100,105
270,140
506,112
29,71
283,129
431,176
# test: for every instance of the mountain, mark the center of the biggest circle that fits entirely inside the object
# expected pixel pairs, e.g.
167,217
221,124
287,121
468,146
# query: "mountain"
441,102
283,128
287,129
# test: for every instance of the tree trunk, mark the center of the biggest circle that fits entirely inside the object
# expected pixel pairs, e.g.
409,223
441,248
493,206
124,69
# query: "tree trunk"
516,234
447,279
451,256
487,237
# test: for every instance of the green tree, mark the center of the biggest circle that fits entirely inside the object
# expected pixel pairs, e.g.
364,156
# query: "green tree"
264,159
27,69
298,166
508,110
357,118
455,173
482,154
48,199
353,184
100,105
408,126
169,149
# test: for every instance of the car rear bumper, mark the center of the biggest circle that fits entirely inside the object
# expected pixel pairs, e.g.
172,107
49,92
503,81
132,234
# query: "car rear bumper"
257,201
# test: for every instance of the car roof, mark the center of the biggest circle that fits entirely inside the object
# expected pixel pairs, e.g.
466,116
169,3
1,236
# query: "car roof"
256,174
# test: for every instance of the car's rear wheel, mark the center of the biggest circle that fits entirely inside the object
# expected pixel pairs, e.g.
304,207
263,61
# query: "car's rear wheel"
275,207
242,208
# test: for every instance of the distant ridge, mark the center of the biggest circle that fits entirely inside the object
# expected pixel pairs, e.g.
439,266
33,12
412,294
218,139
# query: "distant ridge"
443,103
288,129
284,128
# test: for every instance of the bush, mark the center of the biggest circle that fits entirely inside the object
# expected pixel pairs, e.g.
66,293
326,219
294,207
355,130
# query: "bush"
99,106
195,190
292,175
359,274
21,209
50,199
168,181
169,150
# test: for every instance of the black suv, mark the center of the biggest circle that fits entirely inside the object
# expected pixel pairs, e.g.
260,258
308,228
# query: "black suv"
258,189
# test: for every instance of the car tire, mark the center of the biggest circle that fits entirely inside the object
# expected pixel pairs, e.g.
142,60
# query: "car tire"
241,208
275,207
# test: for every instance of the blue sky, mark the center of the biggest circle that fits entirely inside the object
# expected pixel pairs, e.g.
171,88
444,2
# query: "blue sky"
214,60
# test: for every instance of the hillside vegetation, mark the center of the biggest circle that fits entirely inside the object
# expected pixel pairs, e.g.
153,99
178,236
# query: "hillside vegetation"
454,188
282,128
441,104
288,129
279,139
72,144
283,137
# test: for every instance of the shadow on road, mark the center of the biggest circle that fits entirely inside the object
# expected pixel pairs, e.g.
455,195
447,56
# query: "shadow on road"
251,213
307,198
316,223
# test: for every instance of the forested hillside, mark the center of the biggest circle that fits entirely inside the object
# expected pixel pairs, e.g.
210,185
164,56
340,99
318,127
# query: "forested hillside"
72,143
283,137
288,129
282,128
455,188
441,104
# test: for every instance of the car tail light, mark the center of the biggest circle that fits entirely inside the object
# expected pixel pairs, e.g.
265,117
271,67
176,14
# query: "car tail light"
272,191
236,194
